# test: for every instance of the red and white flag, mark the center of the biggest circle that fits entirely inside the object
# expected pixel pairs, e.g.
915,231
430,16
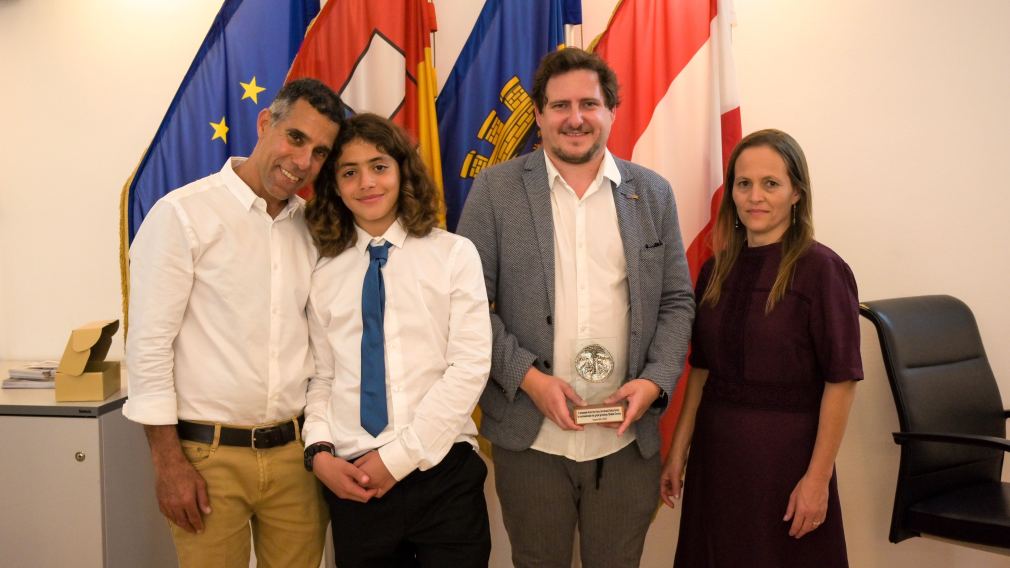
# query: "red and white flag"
377,57
679,112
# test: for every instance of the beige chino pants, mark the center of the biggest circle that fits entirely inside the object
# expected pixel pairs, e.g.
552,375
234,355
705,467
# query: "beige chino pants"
267,492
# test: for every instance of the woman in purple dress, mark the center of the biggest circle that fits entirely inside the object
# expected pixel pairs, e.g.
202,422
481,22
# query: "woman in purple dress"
775,356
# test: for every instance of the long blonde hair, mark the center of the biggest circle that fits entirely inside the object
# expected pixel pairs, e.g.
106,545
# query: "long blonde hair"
729,237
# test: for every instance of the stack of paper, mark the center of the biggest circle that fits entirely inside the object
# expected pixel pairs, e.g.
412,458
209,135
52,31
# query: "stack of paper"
40,375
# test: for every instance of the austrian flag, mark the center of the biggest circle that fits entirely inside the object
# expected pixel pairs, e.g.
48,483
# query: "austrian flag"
377,57
680,111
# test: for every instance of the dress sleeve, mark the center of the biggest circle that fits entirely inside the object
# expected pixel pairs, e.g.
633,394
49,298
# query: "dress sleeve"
698,358
834,323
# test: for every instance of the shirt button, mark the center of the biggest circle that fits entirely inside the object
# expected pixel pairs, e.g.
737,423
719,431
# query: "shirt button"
547,364
550,320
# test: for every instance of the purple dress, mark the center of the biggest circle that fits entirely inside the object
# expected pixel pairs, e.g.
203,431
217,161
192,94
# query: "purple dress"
757,421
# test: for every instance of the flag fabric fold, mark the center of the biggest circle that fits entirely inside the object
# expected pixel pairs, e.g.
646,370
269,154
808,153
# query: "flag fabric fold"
485,113
377,57
680,111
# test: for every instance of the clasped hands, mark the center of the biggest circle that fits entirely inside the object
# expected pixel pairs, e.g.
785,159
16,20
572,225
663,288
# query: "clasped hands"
551,395
360,480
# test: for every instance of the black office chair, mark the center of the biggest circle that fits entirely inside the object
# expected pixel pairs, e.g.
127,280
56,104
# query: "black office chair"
953,425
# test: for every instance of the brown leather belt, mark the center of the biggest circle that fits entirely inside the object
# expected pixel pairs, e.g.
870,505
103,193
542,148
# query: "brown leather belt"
256,437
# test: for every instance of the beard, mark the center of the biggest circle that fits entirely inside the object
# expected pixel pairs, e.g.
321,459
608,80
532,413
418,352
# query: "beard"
577,159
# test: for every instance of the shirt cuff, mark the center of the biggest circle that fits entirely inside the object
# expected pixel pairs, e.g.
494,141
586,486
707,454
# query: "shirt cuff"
315,431
152,411
396,459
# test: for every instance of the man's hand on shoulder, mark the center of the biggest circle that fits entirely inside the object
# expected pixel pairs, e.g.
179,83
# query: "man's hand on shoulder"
343,478
550,394
640,394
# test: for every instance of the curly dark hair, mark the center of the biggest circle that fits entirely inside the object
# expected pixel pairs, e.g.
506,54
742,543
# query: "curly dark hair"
418,207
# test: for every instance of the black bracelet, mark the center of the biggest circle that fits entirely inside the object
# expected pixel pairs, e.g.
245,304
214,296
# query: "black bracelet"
313,449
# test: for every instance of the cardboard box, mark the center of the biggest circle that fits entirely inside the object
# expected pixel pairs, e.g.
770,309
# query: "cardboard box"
84,374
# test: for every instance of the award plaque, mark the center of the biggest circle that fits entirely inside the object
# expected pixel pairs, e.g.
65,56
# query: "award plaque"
598,414
594,363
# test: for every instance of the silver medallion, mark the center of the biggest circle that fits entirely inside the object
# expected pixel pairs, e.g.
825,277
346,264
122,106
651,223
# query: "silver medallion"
594,363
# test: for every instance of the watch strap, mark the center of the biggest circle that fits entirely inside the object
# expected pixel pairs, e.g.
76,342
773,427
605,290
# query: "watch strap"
313,449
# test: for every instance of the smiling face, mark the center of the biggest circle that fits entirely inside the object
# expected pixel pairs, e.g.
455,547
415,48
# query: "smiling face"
575,122
368,181
763,195
289,153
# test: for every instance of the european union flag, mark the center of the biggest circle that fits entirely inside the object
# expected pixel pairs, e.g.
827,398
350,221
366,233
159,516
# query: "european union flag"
485,113
237,72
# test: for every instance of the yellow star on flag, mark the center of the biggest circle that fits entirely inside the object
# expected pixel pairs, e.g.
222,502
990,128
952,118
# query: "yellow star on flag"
220,130
252,90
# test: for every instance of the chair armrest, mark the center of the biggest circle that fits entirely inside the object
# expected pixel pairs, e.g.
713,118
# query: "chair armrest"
960,439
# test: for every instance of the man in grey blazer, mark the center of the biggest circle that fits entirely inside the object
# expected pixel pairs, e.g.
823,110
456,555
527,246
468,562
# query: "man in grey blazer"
583,259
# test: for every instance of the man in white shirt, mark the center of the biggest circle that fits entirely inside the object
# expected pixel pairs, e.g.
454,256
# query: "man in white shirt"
217,350
402,477
584,263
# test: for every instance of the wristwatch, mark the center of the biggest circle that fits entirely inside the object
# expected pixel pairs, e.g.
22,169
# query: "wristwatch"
313,449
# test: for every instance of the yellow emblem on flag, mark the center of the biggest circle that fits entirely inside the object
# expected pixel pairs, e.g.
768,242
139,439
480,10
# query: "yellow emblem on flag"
251,90
506,136
220,130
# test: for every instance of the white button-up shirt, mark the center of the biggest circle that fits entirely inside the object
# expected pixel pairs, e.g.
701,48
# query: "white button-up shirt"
218,291
437,330
591,304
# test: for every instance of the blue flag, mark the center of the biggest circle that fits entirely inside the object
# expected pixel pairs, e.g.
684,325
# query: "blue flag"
236,73
485,112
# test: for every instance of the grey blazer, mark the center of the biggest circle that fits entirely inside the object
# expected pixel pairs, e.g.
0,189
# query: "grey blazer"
508,217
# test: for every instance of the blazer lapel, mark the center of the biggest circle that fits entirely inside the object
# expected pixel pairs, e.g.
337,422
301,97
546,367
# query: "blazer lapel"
628,205
539,192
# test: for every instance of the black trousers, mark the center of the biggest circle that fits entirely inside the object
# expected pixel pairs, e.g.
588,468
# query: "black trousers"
434,518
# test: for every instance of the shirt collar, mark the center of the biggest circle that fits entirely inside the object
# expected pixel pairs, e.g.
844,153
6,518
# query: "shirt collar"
246,196
608,170
395,234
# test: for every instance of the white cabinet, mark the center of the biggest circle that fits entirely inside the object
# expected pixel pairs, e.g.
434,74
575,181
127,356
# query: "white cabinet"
76,485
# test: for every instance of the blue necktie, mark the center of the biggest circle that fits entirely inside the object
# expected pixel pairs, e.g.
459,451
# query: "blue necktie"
373,354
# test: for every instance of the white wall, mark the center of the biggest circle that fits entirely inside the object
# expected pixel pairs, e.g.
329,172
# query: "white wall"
901,107
85,85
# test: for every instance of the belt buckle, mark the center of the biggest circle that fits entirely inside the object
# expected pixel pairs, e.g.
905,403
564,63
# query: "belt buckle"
268,436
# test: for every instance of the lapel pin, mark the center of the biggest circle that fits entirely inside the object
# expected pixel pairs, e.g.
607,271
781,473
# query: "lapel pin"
632,196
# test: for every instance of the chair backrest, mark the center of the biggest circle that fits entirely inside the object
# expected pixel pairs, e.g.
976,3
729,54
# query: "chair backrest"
942,382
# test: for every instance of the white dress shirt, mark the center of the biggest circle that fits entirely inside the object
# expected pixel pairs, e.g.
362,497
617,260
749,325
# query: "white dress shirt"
437,330
591,303
217,307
